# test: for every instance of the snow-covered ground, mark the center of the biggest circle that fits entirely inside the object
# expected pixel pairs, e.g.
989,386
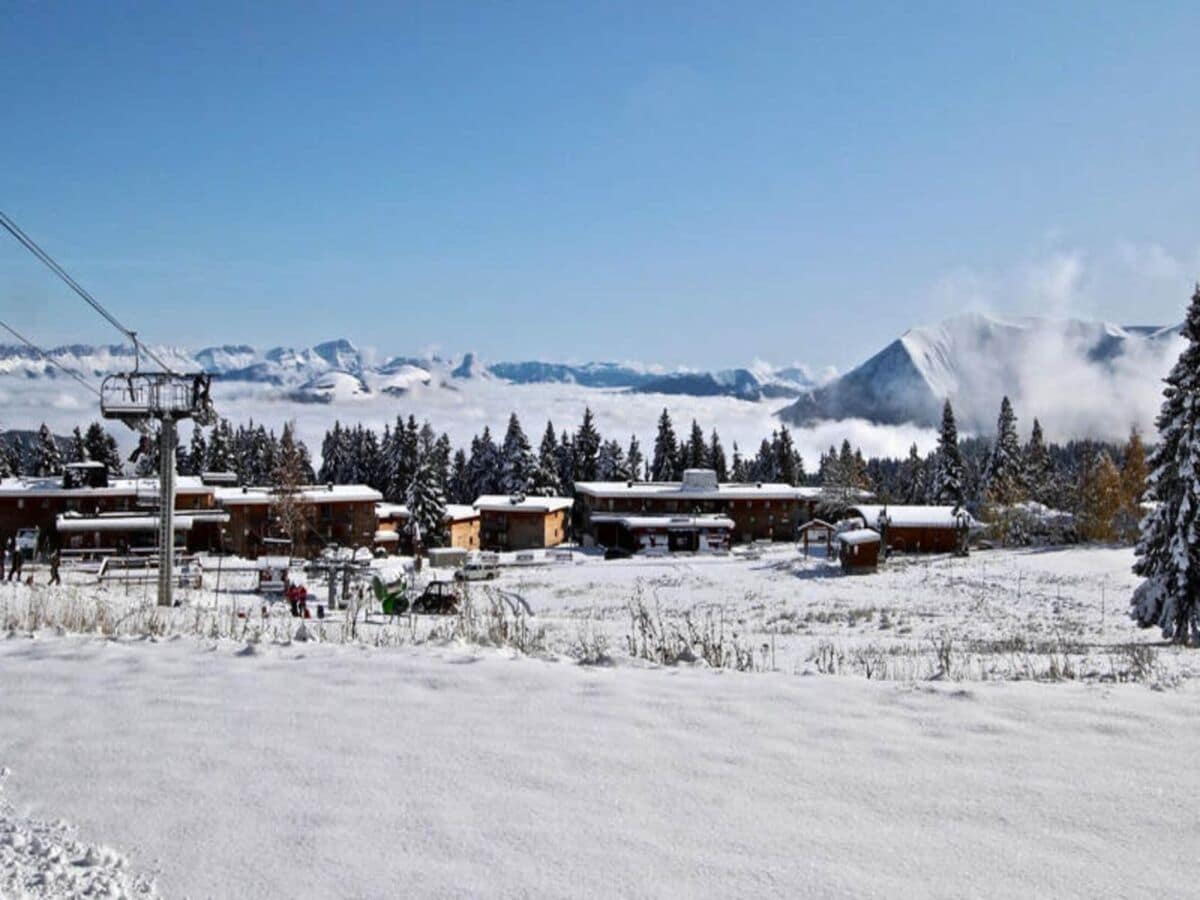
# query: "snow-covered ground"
402,761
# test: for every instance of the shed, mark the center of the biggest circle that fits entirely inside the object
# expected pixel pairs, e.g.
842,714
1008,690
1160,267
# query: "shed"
919,529
859,549
817,531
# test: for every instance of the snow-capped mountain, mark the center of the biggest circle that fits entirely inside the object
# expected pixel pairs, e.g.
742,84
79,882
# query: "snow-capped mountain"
298,373
975,359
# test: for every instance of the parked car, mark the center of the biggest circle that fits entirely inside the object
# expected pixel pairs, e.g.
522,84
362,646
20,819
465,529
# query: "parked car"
439,598
27,541
477,570
617,553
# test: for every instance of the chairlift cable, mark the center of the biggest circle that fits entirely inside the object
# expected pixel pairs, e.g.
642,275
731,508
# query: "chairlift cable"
50,359
26,241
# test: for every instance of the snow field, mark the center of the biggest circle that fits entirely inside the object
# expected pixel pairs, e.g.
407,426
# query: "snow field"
1055,614
329,770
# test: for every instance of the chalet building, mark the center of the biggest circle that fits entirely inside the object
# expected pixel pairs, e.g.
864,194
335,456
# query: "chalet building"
84,509
342,514
759,511
918,529
393,534
522,523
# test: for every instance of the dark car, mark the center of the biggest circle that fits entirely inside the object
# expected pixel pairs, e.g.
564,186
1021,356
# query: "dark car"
438,599
617,553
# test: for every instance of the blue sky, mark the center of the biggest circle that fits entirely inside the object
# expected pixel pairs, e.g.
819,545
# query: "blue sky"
679,183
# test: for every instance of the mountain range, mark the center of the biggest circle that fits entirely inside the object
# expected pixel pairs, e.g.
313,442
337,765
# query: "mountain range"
1081,376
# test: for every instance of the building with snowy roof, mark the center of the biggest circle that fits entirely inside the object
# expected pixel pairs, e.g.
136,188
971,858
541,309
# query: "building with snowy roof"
758,510
394,535
519,522
917,529
858,549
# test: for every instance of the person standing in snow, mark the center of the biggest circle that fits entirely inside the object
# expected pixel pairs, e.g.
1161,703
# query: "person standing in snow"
16,561
55,561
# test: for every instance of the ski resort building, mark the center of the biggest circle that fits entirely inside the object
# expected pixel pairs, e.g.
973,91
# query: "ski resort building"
83,509
667,534
342,514
918,529
393,533
522,523
756,511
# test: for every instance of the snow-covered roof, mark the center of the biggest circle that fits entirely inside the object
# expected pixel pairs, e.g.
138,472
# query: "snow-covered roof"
666,490
859,536
817,523
391,511
321,493
901,516
183,522
387,537
52,486
504,503
460,512
668,522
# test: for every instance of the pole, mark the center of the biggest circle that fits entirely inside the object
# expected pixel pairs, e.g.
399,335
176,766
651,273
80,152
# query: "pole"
166,511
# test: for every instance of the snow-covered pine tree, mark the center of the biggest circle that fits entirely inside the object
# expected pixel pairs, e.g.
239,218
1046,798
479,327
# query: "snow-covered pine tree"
665,465
763,467
738,470
789,467
77,452
483,466
587,448
694,454
427,505
566,463
518,465
288,475
197,454
546,482
1040,476
947,485
460,487
7,467
716,457
635,460
1003,475
47,459
220,448
1168,551
611,464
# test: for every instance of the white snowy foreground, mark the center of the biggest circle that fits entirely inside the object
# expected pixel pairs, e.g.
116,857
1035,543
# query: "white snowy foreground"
321,770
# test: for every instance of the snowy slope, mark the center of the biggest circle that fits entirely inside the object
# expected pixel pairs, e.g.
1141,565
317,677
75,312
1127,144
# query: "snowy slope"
1057,369
320,771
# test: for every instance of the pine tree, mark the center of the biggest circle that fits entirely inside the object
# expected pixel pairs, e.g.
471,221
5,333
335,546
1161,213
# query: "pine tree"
518,466
197,452
947,486
694,453
789,467
763,467
47,460
566,463
9,464
1003,476
1168,551
611,464
220,448
102,447
587,448
738,471
1040,476
546,481
289,473
716,458
635,460
915,481
665,466
483,465
427,506
460,485
77,452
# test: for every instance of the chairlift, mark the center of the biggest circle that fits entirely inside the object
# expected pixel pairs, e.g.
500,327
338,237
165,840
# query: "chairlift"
134,397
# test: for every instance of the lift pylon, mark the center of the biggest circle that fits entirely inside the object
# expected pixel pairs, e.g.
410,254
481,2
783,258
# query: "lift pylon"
136,398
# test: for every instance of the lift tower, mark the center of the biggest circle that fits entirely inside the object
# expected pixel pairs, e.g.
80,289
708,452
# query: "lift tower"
137,398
